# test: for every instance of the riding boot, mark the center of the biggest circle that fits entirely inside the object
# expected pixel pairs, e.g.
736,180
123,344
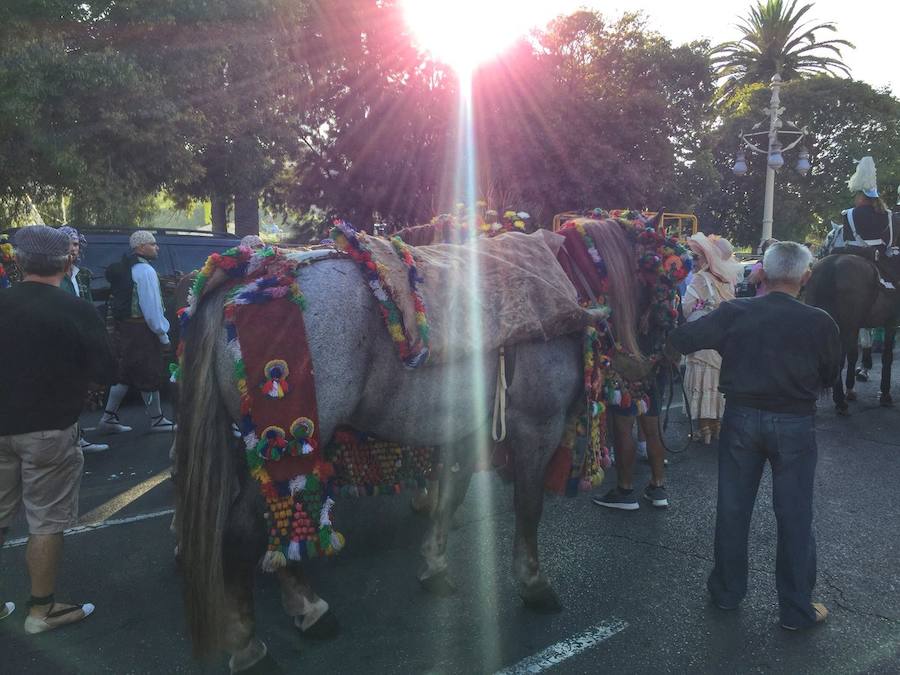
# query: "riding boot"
888,264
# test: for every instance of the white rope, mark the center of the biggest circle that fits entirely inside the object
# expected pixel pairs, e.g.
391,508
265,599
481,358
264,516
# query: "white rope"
500,400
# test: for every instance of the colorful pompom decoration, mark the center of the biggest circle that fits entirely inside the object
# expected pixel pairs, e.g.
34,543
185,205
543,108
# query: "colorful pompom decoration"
302,429
276,384
272,443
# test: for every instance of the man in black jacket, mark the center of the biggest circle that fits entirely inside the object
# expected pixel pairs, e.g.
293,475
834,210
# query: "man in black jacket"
777,355
57,346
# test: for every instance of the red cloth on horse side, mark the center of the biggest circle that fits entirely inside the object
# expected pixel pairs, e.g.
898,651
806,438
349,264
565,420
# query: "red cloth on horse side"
574,253
275,330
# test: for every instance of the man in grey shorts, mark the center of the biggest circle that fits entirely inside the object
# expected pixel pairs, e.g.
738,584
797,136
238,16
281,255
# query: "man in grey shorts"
55,346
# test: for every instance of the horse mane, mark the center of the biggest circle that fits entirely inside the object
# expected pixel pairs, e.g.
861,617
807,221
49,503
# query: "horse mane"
617,252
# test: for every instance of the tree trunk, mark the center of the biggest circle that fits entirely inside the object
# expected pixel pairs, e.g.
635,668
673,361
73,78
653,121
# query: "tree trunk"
219,213
246,214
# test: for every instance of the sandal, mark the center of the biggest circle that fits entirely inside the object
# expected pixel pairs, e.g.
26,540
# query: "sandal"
35,625
7,609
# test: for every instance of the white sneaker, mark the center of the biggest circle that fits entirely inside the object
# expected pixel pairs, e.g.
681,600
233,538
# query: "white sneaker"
159,424
110,424
88,447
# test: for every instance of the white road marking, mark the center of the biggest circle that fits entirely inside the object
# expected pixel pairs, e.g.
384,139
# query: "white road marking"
81,529
566,649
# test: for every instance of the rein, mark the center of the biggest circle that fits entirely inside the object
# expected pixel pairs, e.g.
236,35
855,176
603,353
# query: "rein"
673,373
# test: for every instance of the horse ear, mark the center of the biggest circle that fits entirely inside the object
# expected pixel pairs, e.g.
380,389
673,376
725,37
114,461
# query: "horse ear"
658,219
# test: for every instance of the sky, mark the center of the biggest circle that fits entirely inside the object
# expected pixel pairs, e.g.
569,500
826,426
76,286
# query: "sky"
873,30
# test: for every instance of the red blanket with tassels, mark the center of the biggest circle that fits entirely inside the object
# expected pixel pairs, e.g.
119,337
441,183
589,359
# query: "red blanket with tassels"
272,336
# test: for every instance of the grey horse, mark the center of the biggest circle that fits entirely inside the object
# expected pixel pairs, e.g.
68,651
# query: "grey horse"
361,383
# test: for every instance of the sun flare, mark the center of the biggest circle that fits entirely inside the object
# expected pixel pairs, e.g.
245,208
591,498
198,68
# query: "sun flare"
466,33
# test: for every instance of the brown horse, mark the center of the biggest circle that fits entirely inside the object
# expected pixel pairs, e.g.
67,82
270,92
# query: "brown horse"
849,289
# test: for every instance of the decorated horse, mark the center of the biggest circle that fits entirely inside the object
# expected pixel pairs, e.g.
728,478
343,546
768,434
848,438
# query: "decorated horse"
255,479
849,288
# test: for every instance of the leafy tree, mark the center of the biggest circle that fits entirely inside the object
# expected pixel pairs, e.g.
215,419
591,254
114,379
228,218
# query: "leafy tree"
595,115
846,120
237,70
583,114
80,118
377,137
774,39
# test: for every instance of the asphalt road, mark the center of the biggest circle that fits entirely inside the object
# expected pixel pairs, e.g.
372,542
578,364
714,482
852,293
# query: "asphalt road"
632,583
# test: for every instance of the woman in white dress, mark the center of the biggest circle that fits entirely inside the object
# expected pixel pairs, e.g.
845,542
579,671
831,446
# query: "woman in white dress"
715,274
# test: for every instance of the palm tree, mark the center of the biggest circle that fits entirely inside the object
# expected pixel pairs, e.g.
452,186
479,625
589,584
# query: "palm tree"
775,41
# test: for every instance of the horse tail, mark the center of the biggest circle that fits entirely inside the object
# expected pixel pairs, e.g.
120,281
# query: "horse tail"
618,256
205,477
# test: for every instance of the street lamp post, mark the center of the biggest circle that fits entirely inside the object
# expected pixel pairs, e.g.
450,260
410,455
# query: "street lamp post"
774,151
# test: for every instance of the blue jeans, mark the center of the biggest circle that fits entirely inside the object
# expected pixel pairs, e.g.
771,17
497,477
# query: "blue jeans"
749,437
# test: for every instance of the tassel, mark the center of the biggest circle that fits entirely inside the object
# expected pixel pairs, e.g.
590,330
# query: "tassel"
297,484
278,560
294,550
268,562
273,389
337,541
325,515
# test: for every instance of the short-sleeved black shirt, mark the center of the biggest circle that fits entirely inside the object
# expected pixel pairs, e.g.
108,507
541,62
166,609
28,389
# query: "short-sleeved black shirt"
52,346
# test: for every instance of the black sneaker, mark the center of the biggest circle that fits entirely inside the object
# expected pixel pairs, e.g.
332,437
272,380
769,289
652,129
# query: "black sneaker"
618,499
656,495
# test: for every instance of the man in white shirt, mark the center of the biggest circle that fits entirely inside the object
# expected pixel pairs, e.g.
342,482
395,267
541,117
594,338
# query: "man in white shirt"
142,333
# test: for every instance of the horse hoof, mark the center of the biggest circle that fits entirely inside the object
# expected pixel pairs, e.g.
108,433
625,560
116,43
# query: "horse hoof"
326,628
439,584
885,400
541,598
842,410
851,395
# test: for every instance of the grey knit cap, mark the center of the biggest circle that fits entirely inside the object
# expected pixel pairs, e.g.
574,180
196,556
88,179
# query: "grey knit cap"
141,237
42,240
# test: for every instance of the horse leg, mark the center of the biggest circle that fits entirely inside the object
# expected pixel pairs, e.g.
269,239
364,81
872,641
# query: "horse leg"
248,653
887,360
459,464
852,356
534,445
311,613
837,392
424,501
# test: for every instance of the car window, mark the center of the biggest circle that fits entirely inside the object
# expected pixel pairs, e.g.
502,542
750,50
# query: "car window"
97,256
189,257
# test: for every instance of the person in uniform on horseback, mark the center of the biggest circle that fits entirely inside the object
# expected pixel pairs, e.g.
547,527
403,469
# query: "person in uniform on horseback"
869,226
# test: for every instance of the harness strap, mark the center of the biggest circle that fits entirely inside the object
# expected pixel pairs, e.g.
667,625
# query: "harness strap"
859,241
500,400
